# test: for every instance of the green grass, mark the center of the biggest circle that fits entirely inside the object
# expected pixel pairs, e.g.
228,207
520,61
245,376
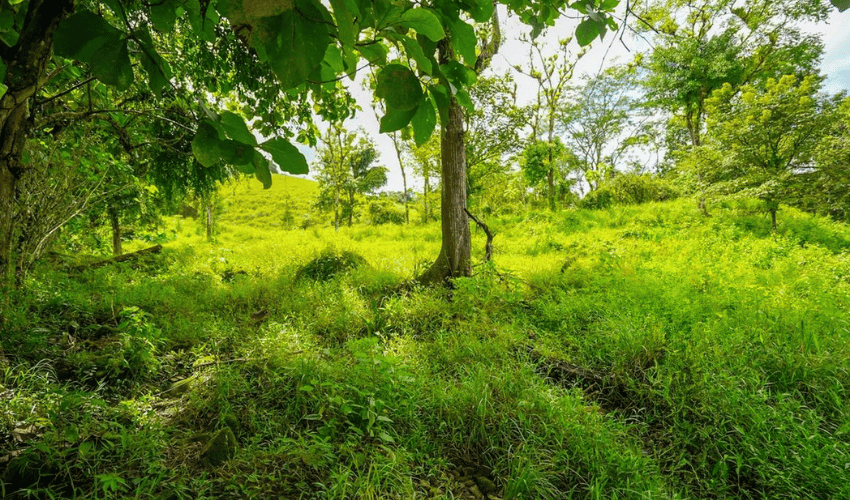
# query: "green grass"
636,352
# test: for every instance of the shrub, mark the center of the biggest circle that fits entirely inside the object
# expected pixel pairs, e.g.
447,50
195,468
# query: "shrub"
329,264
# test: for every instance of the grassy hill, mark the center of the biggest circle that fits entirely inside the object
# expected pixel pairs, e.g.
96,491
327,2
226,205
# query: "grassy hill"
636,352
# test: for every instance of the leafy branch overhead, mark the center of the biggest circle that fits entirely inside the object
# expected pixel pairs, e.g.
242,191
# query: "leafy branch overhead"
310,45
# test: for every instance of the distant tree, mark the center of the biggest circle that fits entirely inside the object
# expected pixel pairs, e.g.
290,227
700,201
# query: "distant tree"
553,73
493,131
363,178
549,165
700,46
604,122
825,189
763,139
426,164
345,166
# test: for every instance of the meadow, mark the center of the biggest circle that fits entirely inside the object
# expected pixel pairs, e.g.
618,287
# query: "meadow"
636,352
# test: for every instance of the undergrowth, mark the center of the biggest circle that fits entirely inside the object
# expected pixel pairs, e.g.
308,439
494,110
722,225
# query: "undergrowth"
633,352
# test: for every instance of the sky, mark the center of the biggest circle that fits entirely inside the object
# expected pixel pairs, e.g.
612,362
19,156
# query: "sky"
602,54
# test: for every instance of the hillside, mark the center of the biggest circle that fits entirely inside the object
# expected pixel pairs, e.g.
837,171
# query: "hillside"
637,352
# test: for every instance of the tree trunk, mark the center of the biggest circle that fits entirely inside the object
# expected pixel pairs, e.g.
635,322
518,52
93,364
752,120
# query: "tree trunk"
116,231
773,219
209,220
427,189
336,208
26,66
550,177
394,137
454,258
350,207
693,130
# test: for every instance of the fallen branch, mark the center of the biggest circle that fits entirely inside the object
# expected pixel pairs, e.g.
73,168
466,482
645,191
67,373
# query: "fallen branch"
123,258
488,247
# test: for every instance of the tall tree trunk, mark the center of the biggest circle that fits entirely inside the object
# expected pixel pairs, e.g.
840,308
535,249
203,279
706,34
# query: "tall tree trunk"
397,147
693,124
454,258
208,218
336,208
26,68
116,231
350,207
550,177
426,214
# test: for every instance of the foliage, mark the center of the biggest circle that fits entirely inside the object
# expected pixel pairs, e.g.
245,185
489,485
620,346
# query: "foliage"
767,137
329,264
628,189
603,123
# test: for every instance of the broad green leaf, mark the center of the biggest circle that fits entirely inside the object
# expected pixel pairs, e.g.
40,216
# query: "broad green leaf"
298,46
7,20
83,34
10,38
111,65
587,31
333,58
235,128
287,156
609,5
262,171
458,74
464,100
375,53
464,41
344,22
841,5
205,145
423,21
164,15
424,121
236,153
396,119
442,98
399,87
481,10
157,68
414,50
266,8
581,6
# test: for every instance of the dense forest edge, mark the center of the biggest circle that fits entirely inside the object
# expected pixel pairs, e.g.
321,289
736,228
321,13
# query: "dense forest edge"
636,351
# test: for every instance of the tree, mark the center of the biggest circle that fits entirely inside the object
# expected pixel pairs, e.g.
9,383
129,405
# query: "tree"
307,46
702,46
493,130
345,166
426,158
552,73
603,123
767,137
548,164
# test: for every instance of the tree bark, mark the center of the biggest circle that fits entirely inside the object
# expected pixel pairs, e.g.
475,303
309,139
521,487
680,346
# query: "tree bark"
394,138
336,208
350,207
426,214
26,67
116,231
208,218
454,258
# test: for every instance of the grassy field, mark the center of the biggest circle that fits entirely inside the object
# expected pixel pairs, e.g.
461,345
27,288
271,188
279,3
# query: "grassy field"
638,352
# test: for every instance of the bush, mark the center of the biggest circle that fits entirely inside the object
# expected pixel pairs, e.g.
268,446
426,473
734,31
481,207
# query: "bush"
329,264
385,212
629,189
